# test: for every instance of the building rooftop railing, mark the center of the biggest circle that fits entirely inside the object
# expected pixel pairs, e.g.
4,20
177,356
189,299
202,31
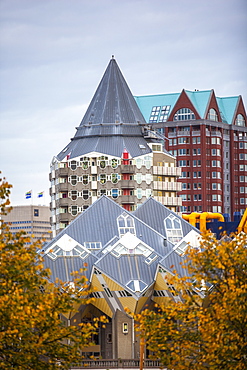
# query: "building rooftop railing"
116,364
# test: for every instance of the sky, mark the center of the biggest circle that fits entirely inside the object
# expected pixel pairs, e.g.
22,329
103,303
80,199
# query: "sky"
53,54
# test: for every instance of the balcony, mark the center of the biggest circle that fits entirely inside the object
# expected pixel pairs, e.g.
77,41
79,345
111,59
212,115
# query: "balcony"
169,201
196,133
128,199
216,133
167,171
172,134
63,202
127,168
63,186
128,184
63,171
183,133
168,186
63,217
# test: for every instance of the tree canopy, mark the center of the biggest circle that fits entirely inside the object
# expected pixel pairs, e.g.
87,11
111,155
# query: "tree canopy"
207,330
32,334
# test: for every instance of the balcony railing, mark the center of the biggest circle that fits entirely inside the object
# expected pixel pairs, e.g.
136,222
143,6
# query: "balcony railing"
62,171
216,133
127,168
167,171
169,201
116,364
169,186
128,199
62,186
128,184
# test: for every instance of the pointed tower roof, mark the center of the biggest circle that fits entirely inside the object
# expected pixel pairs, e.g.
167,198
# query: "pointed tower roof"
113,121
113,101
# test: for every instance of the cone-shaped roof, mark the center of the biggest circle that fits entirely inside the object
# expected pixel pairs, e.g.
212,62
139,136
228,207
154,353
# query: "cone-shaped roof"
113,121
113,101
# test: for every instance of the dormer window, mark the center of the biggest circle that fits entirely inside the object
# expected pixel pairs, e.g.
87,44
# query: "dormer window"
184,114
173,228
125,224
240,121
212,115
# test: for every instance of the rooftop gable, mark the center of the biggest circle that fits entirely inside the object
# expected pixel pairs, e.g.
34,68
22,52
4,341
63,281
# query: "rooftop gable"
146,103
200,100
228,106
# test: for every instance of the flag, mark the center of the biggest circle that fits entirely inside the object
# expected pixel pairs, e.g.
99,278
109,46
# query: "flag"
40,195
29,194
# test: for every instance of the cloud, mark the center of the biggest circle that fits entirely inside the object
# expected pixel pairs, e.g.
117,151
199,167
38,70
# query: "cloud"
53,54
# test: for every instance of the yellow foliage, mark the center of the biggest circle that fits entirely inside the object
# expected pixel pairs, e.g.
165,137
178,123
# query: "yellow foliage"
32,335
207,328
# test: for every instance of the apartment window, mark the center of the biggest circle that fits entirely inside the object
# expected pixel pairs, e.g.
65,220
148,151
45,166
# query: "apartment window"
196,140
74,210
102,161
102,192
214,197
72,165
241,156
139,193
240,121
164,113
85,194
154,114
212,115
102,178
173,229
114,163
114,178
36,213
183,140
182,151
215,140
85,162
125,224
73,194
85,179
93,245
182,163
114,193
184,114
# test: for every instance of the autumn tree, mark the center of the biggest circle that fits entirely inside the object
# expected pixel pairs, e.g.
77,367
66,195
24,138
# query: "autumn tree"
207,327
32,335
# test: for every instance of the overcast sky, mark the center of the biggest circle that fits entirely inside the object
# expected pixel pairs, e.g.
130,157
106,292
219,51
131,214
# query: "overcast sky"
53,54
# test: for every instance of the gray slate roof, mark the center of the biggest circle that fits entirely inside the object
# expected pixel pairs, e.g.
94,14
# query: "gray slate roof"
113,101
98,223
113,121
153,213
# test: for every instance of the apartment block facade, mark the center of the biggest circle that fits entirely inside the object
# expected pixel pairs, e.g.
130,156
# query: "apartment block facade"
208,136
34,220
113,153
